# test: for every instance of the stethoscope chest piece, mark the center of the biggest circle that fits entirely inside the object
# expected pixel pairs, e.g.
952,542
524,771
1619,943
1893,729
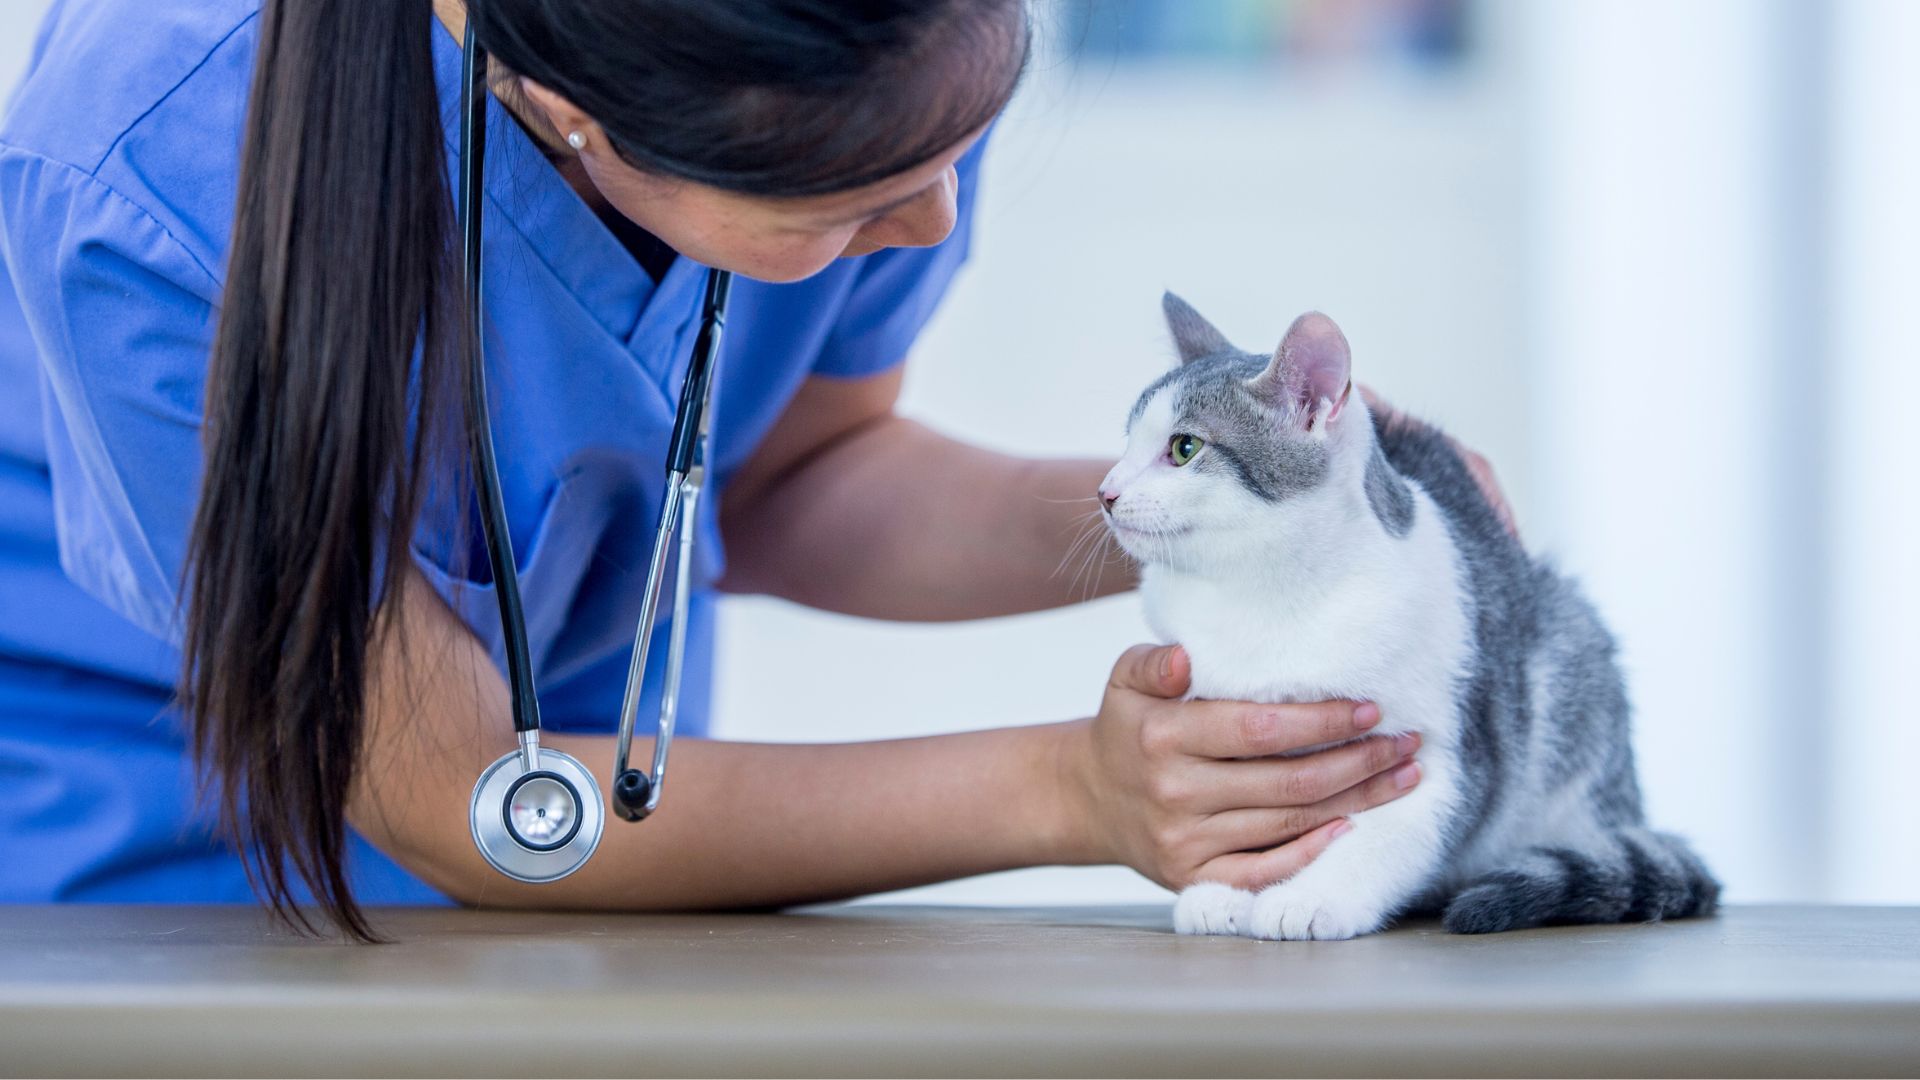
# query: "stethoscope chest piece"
537,825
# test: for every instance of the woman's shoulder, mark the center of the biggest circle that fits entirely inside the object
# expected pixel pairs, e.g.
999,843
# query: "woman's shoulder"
145,97
100,67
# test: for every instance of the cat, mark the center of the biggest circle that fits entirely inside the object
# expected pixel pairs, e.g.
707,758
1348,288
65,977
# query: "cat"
1300,551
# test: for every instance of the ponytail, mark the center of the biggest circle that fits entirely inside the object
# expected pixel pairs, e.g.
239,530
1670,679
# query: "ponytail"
319,426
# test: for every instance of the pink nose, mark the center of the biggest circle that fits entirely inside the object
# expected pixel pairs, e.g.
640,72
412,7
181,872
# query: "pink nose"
1108,497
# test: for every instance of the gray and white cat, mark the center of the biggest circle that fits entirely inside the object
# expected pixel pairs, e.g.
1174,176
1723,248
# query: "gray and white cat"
1301,552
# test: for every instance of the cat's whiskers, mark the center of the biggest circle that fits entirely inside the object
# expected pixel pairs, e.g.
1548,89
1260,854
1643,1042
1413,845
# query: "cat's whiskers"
1092,552
1086,526
1086,547
1099,554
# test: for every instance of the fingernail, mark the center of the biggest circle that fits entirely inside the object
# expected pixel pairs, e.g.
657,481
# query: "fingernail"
1341,829
1406,775
1166,664
1365,715
1406,743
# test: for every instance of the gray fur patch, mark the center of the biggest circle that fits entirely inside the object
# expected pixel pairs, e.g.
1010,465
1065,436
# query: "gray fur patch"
1528,620
1389,495
1246,439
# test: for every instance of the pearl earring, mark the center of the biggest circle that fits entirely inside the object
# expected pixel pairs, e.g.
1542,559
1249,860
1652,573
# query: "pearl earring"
577,140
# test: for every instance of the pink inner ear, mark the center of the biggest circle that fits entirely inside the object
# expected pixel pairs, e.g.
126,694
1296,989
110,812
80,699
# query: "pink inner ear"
1339,404
1313,364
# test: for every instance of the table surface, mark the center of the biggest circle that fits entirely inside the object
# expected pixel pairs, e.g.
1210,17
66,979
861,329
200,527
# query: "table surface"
929,990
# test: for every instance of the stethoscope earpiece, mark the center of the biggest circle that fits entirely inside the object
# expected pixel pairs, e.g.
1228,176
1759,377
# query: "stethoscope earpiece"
631,789
536,825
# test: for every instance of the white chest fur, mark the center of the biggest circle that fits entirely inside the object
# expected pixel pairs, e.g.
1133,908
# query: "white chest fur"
1365,617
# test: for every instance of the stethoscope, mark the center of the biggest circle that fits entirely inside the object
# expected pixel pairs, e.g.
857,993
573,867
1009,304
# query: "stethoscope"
536,814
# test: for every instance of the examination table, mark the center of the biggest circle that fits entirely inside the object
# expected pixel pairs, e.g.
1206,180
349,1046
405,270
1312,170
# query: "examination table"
930,990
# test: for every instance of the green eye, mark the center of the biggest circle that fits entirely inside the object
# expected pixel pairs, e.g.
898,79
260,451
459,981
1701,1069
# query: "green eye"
1183,447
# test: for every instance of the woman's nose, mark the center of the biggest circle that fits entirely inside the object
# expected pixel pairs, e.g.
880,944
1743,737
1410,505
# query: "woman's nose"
923,222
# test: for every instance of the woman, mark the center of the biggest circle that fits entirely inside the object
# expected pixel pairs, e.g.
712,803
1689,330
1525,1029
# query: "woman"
229,450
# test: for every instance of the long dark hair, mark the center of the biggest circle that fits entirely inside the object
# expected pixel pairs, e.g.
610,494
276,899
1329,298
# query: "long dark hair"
334,390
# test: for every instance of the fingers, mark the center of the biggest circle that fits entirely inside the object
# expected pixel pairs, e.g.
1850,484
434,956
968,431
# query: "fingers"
1157,670
1253,870
1301,781
1482,472
1258,829
1384,414
1235,729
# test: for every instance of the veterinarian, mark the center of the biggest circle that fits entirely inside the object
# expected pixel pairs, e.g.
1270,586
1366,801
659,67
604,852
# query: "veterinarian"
248,640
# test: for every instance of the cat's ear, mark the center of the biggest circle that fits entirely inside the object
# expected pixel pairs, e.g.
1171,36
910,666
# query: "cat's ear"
1192,333
1311,373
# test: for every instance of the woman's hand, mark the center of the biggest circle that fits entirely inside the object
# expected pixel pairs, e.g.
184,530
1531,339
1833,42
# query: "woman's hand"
1187,791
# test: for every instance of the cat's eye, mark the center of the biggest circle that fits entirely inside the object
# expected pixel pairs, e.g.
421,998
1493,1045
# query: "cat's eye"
1182,448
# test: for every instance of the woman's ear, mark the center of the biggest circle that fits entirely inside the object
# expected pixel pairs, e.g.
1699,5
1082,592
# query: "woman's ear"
564,117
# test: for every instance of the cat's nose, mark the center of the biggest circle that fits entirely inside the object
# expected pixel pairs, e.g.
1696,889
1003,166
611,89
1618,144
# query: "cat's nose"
1108,497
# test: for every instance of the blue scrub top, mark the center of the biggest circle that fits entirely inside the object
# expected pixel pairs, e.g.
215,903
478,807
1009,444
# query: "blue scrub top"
117,162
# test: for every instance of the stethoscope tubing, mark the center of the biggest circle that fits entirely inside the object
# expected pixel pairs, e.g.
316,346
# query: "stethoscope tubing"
506,580
634,794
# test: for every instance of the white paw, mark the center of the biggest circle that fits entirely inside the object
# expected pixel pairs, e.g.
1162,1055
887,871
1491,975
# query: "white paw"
1212,908
1291,914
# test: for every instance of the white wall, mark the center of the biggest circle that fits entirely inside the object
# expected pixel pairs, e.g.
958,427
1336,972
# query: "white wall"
1724,243
18,20
1658,352
1872,378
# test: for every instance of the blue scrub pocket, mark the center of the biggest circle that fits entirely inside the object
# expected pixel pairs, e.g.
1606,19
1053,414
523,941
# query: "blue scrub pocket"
582,566
454,562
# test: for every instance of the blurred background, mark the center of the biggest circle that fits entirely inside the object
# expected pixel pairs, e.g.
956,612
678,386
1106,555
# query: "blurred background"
1656,260
1659,261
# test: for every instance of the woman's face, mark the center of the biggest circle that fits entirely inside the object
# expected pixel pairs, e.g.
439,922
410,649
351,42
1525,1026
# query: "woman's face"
789,238
771,239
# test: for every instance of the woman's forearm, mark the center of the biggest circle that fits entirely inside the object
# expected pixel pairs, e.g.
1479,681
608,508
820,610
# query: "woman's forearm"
742,824
895,520
764,825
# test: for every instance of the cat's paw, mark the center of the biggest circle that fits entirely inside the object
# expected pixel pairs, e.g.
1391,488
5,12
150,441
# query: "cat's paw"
1212,908
1284,913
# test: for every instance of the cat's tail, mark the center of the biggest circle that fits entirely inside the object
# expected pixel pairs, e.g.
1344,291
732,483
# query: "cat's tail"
1636,875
